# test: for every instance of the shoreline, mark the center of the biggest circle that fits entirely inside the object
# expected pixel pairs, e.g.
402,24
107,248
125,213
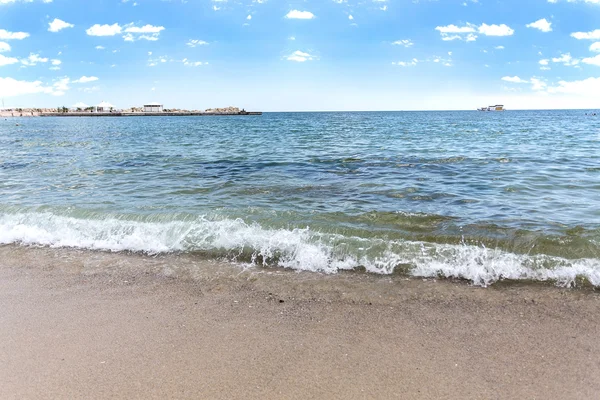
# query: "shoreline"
147,114
123,114
118,325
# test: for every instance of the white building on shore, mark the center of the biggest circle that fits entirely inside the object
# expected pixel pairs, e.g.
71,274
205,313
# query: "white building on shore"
78,106
104,107
153,107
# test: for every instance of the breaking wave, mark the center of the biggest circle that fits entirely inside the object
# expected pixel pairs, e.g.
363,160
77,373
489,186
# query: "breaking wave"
298,249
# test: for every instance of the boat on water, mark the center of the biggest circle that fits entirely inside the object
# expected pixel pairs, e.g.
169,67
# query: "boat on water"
497,107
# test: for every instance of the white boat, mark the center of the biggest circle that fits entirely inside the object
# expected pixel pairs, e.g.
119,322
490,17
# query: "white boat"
497,107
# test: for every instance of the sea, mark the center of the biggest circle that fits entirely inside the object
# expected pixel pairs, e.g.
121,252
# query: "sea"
476,196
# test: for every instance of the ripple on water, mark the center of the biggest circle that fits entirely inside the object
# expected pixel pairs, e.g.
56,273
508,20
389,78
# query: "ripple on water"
522,182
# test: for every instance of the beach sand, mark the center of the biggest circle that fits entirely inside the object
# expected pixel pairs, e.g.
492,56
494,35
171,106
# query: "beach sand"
81,324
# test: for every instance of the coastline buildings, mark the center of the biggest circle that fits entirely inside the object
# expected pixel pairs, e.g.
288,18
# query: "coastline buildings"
153,107
104,107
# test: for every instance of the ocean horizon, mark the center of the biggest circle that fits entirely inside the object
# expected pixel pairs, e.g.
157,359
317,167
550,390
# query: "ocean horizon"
368,111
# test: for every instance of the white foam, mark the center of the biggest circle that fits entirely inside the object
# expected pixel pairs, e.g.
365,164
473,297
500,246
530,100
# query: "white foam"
485,266
299,249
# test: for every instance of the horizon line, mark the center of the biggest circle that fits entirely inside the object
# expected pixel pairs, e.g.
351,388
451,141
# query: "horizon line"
364,111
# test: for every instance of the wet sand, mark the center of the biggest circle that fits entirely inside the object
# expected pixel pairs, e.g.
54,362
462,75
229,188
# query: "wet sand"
77,324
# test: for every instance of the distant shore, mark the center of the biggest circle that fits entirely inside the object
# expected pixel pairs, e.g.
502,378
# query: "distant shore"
6,114
146,114
112,325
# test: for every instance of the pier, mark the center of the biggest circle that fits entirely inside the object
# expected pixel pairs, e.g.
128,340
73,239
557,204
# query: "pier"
144,114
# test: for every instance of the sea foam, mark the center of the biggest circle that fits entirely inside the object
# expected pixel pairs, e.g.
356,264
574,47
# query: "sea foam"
298,249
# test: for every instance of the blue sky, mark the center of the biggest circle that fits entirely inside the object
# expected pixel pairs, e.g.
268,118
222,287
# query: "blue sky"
276,55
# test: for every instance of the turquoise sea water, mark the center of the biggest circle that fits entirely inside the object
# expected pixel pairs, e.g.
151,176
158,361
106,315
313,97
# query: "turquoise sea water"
480,196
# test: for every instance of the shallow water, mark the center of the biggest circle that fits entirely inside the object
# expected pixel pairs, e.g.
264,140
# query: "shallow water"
480,196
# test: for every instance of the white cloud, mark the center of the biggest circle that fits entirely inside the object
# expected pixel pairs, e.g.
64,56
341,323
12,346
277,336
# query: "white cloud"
144,29
495,30
544,62
295,14
350,17
56,62
300,56
33,60
249,17
12,87
566,59
60,86
595,47
100,47
592,60
499,47
131,32
589,87
469,28
514,79
159,60
91,89
468,31
4,47
188,63
541,24
151,38
58,24
7,61
196,42
146,32
467,38
586,87
6,35
86,79
592,35
104,30
403,42
439,60
453,32
410,63
537,84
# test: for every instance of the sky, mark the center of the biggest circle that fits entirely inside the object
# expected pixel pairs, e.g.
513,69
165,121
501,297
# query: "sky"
304,55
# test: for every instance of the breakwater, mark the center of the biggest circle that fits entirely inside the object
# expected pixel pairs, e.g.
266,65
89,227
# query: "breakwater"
143,114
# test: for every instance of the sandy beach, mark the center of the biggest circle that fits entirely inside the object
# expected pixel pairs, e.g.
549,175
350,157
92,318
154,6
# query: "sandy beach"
81,324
